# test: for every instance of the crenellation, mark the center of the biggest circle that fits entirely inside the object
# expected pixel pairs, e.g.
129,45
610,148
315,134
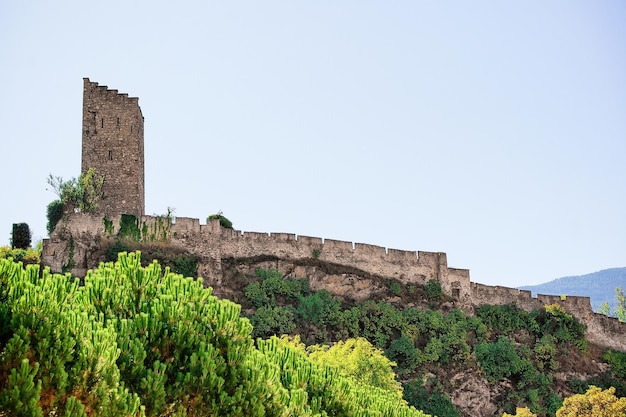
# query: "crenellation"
310,240
337,245
429,259
186,224
361,249
255,235
288,237
404,256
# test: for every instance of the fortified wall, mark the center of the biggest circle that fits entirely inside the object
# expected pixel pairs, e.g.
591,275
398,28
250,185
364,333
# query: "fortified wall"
347,268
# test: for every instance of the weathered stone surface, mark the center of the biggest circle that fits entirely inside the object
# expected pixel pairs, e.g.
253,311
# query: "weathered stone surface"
474,396
113,145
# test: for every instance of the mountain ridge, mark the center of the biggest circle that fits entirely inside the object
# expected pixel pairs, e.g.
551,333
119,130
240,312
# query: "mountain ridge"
599,286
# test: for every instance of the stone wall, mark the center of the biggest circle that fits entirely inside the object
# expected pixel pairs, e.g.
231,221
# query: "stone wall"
113,145
216,246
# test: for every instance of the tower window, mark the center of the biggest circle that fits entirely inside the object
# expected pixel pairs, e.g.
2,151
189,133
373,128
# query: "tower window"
110,155
102,122
118,121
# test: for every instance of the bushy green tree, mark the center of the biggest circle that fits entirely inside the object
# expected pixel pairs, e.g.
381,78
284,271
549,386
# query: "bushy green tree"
83,193
433,401
499,360
594,403
269,321
404,353
20,236
433,289
360,359
54,214
619,310
224,222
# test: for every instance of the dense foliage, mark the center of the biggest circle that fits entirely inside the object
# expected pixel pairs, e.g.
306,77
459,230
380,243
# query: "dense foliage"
131,340
26,256
504,343
20,236
594,403
82,194
224,222
619,309
54,214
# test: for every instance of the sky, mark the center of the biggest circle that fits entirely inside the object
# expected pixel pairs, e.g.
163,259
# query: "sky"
493,131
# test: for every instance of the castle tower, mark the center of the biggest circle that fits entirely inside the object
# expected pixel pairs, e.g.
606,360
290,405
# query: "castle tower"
113,146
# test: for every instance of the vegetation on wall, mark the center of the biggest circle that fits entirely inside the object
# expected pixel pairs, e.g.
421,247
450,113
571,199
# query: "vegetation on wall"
224,222
54,214
82,194
619,310
133,340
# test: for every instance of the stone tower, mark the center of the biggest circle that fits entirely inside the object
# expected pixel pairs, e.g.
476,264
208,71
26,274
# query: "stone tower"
113,146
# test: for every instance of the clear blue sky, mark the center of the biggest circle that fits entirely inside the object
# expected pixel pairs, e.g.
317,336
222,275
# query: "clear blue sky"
493,131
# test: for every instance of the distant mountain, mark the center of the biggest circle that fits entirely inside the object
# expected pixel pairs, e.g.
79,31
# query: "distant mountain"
599,286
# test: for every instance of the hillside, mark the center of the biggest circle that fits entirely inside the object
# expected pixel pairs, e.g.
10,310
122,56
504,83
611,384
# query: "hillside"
140,341
599,286
448,362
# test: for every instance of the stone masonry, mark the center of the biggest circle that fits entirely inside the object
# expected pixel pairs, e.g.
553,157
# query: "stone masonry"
113,146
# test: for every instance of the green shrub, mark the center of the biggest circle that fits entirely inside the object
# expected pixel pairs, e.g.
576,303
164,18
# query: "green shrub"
394,287
565,327
378,322
270,321
113,251
82,194
504,318
54,213
546,351
256,295
499,360
435,402
224,222
320,309
274,289
433,289
404,354
186,265
617,360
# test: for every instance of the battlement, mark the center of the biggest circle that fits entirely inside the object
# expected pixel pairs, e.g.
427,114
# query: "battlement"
109,94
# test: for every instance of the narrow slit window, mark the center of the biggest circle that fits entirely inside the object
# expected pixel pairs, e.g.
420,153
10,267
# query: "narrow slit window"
118,122
102,122
110,155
